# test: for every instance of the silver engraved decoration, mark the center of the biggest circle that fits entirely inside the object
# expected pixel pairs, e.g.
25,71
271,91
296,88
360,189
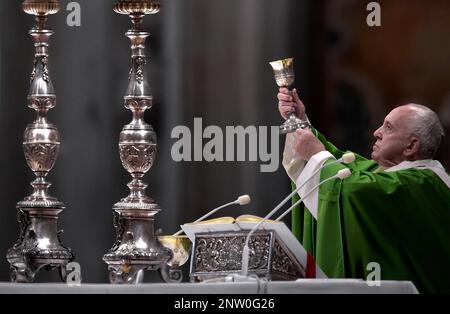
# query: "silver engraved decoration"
41,157
136,247
45,75
219,254
283,263
39,244
140,62
222,254
137,158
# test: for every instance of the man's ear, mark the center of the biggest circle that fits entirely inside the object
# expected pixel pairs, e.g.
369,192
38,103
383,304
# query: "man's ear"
413,148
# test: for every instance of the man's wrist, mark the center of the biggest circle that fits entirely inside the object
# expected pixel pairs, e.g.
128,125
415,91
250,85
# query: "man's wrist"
316,152
320,156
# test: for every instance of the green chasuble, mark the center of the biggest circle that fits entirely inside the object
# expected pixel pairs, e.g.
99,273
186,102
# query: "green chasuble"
400,220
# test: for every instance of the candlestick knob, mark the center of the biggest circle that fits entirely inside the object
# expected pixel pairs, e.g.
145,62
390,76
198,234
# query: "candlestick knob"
137,7
41,7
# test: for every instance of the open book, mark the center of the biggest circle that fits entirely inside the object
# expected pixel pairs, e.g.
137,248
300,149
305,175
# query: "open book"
246,223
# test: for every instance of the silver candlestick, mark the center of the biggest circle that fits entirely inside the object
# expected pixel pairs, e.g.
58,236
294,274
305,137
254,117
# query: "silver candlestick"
39,244
136,248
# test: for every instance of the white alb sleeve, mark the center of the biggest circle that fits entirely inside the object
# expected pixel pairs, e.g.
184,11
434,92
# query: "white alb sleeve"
314,164
292,163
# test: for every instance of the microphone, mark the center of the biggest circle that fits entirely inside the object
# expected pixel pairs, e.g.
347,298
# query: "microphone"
347,158
342,174
241,200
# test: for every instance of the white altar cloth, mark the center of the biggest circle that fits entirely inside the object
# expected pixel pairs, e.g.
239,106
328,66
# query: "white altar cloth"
301,286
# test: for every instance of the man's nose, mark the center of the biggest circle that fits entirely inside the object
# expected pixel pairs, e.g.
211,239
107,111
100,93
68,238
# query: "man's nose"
377,134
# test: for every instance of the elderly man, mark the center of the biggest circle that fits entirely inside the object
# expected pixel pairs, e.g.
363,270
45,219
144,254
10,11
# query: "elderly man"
391,215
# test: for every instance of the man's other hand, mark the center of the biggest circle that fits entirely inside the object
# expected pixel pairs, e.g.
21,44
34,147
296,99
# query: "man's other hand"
306,144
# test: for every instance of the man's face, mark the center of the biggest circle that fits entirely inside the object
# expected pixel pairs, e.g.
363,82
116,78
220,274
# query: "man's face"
392,138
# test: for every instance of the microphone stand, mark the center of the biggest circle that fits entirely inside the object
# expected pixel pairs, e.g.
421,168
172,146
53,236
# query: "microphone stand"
342,174
242,200
336,176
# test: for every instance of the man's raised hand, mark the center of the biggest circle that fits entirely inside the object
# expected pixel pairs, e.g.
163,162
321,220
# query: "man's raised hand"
289,101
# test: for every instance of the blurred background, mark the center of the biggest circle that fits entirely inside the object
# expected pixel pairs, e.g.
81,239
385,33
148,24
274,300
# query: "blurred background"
208,59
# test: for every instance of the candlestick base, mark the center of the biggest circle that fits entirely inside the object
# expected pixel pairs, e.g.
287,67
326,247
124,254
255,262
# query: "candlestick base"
39,245
136,248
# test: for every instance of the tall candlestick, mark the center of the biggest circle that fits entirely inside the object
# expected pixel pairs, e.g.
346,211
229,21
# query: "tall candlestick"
39,244
136,248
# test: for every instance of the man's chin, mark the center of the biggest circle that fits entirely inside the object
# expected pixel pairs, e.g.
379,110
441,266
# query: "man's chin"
374,156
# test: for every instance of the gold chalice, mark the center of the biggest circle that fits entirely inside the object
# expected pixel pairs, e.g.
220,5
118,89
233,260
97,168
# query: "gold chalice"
285,77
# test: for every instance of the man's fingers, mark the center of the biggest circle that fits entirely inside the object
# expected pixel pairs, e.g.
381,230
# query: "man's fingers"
286,108
285,104
303,132
285,97
296,98
300,132
284,90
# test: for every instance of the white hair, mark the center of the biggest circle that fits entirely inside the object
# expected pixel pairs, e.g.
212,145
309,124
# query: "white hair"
425,124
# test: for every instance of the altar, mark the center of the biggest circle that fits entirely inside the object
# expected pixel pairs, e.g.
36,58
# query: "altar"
300,286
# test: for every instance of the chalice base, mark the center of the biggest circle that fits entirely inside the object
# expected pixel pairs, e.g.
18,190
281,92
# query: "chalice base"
292,124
